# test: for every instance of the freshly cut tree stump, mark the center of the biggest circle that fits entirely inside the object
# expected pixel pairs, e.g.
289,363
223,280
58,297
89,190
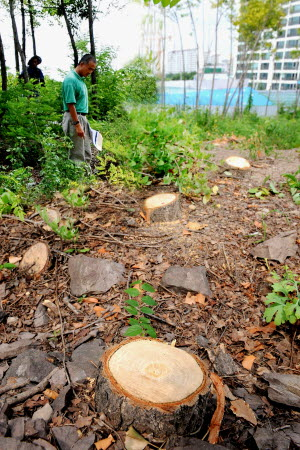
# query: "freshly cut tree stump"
152,386
35,259
162,208
237,163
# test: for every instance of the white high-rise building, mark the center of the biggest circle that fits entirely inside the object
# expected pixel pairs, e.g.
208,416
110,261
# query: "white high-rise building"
276,68
175,63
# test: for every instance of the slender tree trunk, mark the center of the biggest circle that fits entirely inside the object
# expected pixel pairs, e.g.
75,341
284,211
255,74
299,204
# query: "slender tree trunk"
163,69
197,49
23,27
17,62
70,32
229,84
31,17
92,38
16,39
3,67
218,16
183,59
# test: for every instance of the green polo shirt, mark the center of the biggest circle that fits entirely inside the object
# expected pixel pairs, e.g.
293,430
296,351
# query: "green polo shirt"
74,91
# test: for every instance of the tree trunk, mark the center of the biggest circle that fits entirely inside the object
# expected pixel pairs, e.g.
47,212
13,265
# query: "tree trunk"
3,67
152,386
197,49
92,38
218,17
163,68
31,16
70,33
23,27
183,59
16,39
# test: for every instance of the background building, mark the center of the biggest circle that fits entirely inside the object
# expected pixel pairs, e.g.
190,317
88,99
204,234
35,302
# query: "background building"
278,67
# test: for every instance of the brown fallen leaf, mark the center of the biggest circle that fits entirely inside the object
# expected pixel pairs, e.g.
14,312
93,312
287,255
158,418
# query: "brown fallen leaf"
98,310
102,250
242,409
110,316
270,328
186,232
258,224
191,299
78,324
90,300
83,422
248,361
196,226
103,444
51,394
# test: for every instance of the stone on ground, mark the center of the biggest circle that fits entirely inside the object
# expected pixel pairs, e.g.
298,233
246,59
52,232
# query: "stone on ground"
284,388
188,279
85,360
31,364
278,248
93,275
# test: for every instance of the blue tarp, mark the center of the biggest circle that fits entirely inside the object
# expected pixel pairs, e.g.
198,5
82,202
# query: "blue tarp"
174,96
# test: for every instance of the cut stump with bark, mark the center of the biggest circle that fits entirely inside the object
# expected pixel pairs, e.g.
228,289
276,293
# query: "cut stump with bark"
35,259
237,163
152,386
162,208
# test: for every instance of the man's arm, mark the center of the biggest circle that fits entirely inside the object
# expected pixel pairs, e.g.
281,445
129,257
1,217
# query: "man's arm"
73,113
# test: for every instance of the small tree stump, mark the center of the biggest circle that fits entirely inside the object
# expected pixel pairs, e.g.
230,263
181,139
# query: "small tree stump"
237,163
162,208
152,386
35,259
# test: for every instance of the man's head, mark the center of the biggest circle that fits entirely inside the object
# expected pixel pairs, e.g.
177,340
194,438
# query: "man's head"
35,61
86,65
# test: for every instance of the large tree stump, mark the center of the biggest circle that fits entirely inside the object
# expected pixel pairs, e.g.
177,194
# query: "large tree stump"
152,386
162,208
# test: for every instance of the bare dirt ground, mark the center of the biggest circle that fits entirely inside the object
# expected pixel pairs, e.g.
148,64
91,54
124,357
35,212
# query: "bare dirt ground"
228,228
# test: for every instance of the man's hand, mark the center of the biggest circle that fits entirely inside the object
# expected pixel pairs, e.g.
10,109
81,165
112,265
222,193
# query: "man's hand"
79,130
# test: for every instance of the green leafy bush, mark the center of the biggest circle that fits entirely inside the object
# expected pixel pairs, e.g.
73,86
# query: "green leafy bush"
66,232
11,203
284,302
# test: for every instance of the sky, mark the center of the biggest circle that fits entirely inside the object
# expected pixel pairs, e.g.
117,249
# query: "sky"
120,29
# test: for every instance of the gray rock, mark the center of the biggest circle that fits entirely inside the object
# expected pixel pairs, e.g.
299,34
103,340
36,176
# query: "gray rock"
202,341
60,402
58,379
294,433
267,439
17,427
45,413
3,368
85,360
41,317
12,320
9,443
187,279
44,444
36,428
93,275
277,248
65,437
15,348
26,335
284,388
86,443
31,364
224,364
254,400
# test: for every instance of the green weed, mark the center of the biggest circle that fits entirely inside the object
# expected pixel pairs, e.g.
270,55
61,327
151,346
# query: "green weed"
66,232
138,305
11,203
284,302
9,266
293,181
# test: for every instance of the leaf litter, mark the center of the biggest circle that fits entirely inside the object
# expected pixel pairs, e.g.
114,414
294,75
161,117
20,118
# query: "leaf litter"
222,240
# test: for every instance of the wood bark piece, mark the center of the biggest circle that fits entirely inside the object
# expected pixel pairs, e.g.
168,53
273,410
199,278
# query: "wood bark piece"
35,259
162,208
153,387
237,163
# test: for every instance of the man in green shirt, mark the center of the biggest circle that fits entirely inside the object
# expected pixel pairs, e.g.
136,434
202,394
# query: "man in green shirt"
75,104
